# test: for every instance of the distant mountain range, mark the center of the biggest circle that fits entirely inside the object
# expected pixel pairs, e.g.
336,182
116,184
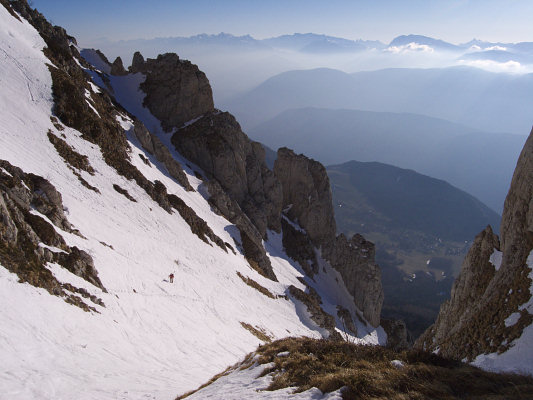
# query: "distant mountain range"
236,64
313,42
478,162
480,99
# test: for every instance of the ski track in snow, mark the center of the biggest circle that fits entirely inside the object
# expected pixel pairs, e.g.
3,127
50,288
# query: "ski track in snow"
153,339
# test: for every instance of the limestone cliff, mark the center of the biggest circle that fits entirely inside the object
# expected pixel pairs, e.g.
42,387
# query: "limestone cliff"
306,195
176,90
241,187
217,144
488,309
307,201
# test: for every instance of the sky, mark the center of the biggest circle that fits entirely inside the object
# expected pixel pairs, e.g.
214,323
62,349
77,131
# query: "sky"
456,21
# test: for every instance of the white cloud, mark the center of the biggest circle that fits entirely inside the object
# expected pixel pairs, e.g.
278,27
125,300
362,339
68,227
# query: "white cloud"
411,47
501,48
494,66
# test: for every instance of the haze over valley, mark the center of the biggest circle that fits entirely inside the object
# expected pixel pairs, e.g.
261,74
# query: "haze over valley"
441,98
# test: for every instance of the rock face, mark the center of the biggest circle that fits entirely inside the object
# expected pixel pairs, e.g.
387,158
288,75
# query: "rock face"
117,68
217,145
176,90
307,201
153,145
137,64
355,260
306,195
241,186
475,320
28,241
244,190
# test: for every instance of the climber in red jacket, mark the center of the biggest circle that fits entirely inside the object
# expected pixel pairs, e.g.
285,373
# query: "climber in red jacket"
171,277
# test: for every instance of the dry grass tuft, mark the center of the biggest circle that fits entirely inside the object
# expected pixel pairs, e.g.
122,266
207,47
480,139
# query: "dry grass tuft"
209,382
366,372
257,332
250,282
123,192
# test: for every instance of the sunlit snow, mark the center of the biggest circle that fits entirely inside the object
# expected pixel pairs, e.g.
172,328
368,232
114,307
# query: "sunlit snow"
153,339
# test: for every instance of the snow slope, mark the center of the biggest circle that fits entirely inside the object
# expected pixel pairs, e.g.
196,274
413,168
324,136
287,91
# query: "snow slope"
153,339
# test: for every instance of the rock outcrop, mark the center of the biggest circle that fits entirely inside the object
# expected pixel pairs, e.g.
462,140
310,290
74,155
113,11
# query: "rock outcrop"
217,144
312,301
397,336
137,64
355,260
492,286
28,240
306,195
117,68
176,90
241,186
307,201
153,145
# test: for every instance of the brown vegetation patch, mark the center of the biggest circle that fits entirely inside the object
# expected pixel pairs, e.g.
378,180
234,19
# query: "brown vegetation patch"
257,332
56,123
85,183
124,192
74,160
250,282
209,382
198,226
366,372
229,246
71,156
145,160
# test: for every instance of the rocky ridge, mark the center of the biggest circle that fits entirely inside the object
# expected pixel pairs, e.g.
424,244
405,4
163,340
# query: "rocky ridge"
239,184
488,309
243,189
307,201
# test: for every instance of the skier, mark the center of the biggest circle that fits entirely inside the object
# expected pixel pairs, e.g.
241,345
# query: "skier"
171,277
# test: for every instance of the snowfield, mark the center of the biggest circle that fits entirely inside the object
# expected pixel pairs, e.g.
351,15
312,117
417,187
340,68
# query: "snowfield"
153,339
